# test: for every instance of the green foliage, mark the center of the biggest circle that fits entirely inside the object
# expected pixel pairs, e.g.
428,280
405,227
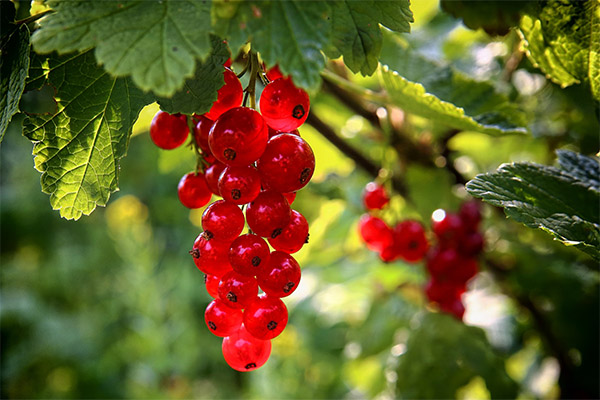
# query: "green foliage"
444,355
77,148
494,17
156,43
561,202
559,39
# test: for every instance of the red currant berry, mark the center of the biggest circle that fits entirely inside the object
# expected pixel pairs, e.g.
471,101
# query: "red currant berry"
201,131
281,276
284,106
454,307
441,261
237,290
293,236
287,164
375,197
266,317
443,291
448,228
248,253
273,132
410,240
240,185
470,214
227,63
238,137
222,220
290,197
471,244
168,131
222,320
212,285
244,352
212,174
211,256
274,73
389,253
376,234
268,214
464,269
193,191
229,96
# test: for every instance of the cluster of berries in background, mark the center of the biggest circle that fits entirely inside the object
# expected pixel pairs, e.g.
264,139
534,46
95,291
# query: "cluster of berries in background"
451,262
255,162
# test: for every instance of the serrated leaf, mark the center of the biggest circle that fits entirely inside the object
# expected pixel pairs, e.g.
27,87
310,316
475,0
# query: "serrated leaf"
582,167
561,202
14,64
78,147
156,43
200,91
558,40
422,87
356,34
443,355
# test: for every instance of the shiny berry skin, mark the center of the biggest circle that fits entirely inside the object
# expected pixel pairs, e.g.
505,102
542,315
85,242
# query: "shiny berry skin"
238,137
229,96
281,276
441,261
268,214
244,352
293,236
266,317
389,253
212,175
211,256
284,106
222,320
410,240
274,73
470,214
239,185
222,220
169,131
212,285
273,132
248,253
376,234
193,191
448,228
290,197
236,290
287,163
201,131
375,197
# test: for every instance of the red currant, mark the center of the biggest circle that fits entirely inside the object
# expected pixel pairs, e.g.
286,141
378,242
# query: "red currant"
287,164
448,228
293,236
470,214
240,185
284,106
211,256
471,244
274,73
454,307
238,137
273,132
268,214
237,290
375,232
212,285
464,269
201,131
168,131
222,320
441,261
212,174
281,276
248,253
443,291
410,240
290,197
375,197
244,352
230,95
193,191
266,317
222,220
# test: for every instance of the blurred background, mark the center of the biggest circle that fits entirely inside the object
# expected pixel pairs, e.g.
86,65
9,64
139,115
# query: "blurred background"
112,306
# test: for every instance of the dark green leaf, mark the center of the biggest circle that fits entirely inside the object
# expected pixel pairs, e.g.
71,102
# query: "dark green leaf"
582,167
495,17
78,147
561,202
14,64
200,91
157,43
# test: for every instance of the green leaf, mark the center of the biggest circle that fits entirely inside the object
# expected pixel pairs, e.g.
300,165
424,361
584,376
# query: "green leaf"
442,94
290,34
200,91
444,354
494,17
559,41
14,64
561,202
157,43
78,147
356,34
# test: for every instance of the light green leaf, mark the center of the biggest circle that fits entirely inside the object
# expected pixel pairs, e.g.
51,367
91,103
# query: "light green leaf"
200,91
14,64
444,354
356,34
422,87
156,43
559,41
561,202
77,148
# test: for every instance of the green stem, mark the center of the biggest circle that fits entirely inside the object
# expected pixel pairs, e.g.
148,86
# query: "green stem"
33,18
254,71
365,93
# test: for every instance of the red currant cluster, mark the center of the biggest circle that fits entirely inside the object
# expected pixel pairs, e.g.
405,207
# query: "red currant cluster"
452,263
255,162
